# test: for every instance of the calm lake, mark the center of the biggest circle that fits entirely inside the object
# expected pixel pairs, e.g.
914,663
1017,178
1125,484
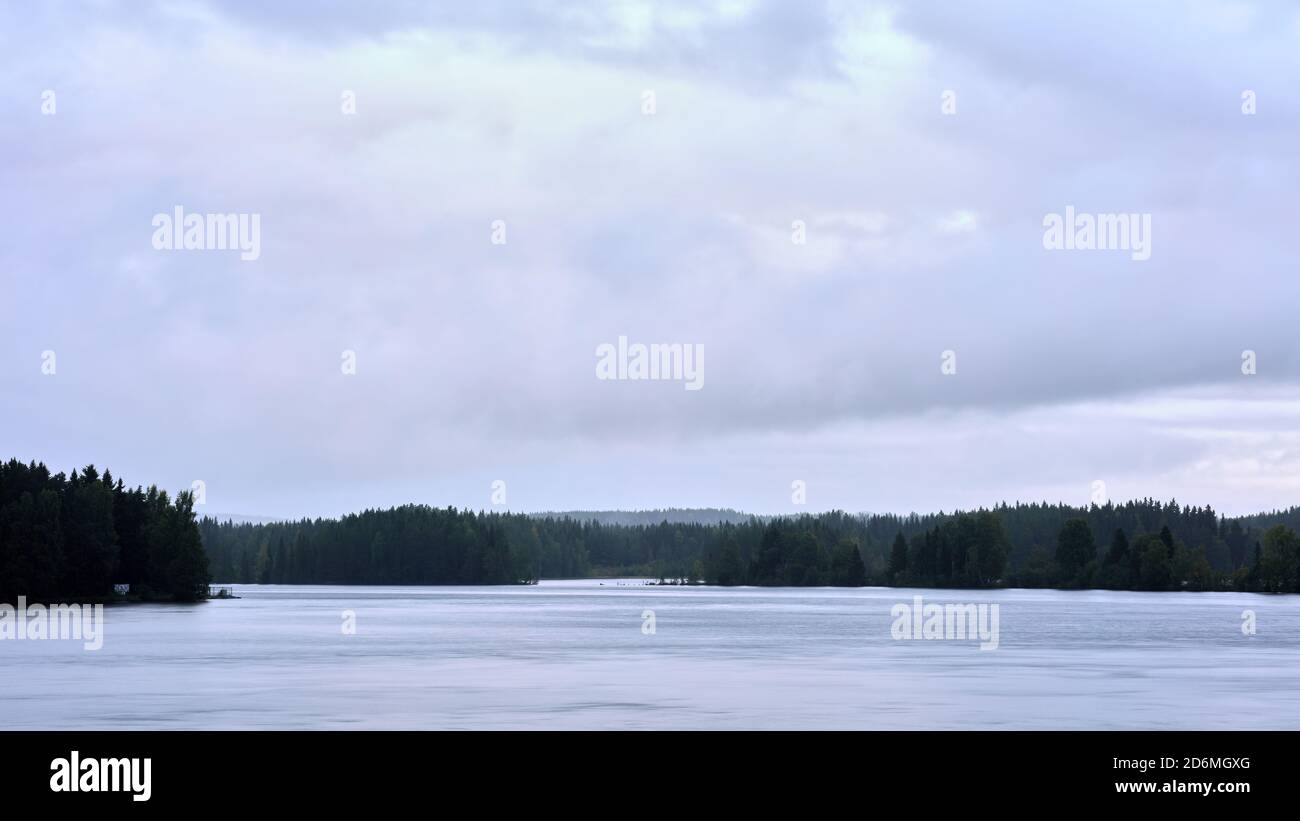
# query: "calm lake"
577,654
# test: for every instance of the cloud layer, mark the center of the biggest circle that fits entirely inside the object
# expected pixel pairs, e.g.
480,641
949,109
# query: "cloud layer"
475,360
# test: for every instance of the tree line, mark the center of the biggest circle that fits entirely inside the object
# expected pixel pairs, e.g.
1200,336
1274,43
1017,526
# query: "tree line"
73,537
1140,545
412,544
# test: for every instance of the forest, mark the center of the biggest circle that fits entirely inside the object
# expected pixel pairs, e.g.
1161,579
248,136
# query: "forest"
1138,545
73,537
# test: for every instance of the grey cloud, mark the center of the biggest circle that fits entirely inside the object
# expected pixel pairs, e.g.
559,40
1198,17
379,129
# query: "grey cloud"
478,360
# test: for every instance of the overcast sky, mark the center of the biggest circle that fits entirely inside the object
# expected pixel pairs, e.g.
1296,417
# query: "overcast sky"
668,218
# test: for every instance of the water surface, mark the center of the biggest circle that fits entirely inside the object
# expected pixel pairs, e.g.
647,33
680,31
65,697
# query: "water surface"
573,654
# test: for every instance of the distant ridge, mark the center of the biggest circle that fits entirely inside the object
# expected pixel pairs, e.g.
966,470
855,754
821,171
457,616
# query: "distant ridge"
672,515
242,518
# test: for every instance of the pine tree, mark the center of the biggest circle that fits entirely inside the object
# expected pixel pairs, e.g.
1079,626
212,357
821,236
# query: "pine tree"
898,559
1074,549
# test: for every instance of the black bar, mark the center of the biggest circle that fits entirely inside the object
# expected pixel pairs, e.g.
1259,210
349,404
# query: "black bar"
231,772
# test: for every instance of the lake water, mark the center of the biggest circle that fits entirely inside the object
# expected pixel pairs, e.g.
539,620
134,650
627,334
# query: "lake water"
575,654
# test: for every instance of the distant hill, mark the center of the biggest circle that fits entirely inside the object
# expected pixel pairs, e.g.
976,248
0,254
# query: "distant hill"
672,515
243,518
